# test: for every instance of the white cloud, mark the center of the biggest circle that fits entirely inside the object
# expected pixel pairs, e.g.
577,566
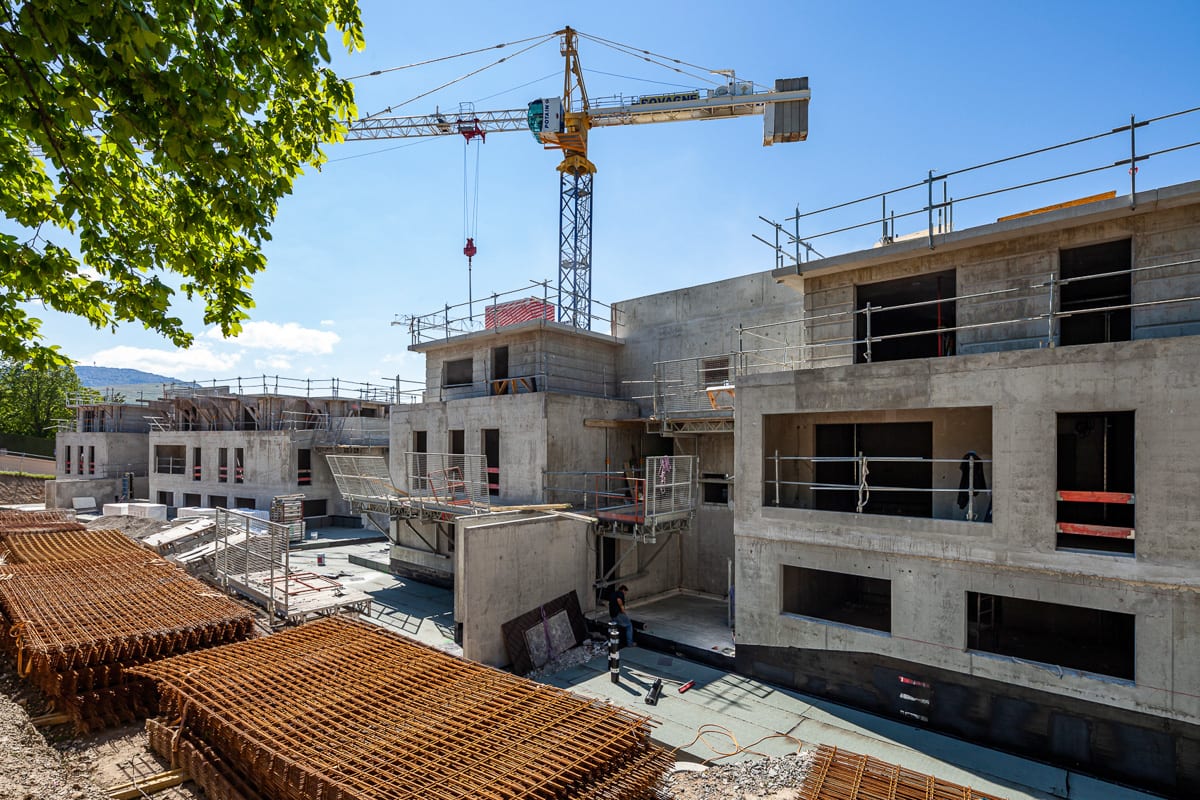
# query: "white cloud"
181,364
327,323
290,337
273,362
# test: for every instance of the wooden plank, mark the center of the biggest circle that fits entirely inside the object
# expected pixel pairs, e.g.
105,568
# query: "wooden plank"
1105,531
145,786
1125,498
1109,195
613,423
46,720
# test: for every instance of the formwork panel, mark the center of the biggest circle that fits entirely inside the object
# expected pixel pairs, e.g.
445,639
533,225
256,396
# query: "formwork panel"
342,709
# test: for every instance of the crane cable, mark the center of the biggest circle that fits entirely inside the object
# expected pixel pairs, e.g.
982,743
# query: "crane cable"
651,57
445,58
470,200
470,74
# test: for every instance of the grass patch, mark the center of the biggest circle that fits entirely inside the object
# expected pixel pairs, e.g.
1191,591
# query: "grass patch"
39,476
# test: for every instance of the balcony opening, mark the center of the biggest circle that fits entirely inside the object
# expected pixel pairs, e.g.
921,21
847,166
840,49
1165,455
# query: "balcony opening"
1085,639
458,373
168,459
191,500
314,508
911,317
491,454
1081,291
1095,509
857,600
897,459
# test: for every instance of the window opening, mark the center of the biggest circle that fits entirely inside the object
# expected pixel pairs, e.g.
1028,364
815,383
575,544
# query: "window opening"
191,500
166,498
459,373
246,503
218,501
715,486
458,442
223,465
314,508
239,472
857,600
491,454
304,467
1086,639
499,363
197,473
1081,292
1095,498
91,462
915,316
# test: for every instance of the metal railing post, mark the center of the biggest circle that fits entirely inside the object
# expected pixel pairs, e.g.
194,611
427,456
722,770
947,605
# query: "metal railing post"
1050,315
777,478
929,206
868,337
1132,163
970,489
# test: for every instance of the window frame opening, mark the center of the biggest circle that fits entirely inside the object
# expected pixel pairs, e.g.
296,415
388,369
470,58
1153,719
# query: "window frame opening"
911,317
859,601
1095,459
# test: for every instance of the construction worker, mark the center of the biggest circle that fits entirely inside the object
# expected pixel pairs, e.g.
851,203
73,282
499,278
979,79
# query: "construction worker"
616,612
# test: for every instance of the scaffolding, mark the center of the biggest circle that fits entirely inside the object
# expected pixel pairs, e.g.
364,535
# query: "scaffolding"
251,558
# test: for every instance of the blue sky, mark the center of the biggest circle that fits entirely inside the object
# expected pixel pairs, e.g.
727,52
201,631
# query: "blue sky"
897,89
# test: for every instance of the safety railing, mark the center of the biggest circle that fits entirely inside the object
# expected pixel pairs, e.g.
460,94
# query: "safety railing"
665,485
489,313
784,486
252,558
448,481
164,465
1123,149
395,391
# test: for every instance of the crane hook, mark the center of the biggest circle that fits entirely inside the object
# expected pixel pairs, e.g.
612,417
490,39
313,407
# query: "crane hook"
470,250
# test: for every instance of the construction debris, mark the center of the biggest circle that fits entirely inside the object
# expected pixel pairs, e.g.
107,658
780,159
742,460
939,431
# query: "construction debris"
339,708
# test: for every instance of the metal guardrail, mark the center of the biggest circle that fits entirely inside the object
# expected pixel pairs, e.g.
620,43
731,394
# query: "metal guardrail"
683,385
462,318
447,481
862,488
252,557
665,486
931,201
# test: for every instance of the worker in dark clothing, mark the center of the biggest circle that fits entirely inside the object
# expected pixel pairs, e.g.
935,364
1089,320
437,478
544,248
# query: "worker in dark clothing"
616,612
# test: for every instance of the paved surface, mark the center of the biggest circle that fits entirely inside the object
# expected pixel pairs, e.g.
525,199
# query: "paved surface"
723,710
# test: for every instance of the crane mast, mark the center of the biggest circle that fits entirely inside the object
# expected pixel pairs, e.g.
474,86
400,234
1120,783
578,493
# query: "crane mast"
563,124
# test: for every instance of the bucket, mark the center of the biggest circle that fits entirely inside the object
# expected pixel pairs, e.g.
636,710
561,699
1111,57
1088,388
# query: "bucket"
320,559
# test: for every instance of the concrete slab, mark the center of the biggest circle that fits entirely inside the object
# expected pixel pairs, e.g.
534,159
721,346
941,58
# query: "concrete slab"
724,711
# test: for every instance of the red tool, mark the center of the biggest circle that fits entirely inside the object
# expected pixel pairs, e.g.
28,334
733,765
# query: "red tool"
686,686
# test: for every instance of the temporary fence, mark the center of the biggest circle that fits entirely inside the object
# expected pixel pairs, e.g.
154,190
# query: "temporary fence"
321,711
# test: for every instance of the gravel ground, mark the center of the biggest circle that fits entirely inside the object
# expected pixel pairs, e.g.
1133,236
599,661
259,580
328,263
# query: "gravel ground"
773,778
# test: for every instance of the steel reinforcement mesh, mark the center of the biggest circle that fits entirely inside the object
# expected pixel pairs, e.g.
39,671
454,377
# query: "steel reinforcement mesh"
49,520
72,627
842,775
340,710
20,547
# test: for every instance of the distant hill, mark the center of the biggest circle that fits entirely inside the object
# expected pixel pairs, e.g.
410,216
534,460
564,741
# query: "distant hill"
100,377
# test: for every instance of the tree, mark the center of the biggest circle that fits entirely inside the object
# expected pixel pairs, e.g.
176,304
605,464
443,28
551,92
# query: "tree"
161,135
31,399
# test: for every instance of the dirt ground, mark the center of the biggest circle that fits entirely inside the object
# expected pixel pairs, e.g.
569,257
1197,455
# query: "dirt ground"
15,489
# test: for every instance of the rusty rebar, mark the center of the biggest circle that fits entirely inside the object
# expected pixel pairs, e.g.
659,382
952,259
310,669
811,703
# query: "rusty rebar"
339,709
842,775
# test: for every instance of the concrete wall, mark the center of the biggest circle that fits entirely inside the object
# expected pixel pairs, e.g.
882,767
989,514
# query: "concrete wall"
61,491
269,468
933,563
115,453
695,321
494,559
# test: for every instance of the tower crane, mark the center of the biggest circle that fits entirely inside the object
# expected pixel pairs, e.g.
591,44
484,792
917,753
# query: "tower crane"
562,123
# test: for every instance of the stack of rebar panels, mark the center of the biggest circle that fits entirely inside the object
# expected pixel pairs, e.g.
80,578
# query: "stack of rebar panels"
30,521
78,607
340,710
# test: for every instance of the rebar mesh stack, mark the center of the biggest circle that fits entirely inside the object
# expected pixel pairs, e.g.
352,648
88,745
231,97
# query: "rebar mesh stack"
12,520
339,710
79,607
842,775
